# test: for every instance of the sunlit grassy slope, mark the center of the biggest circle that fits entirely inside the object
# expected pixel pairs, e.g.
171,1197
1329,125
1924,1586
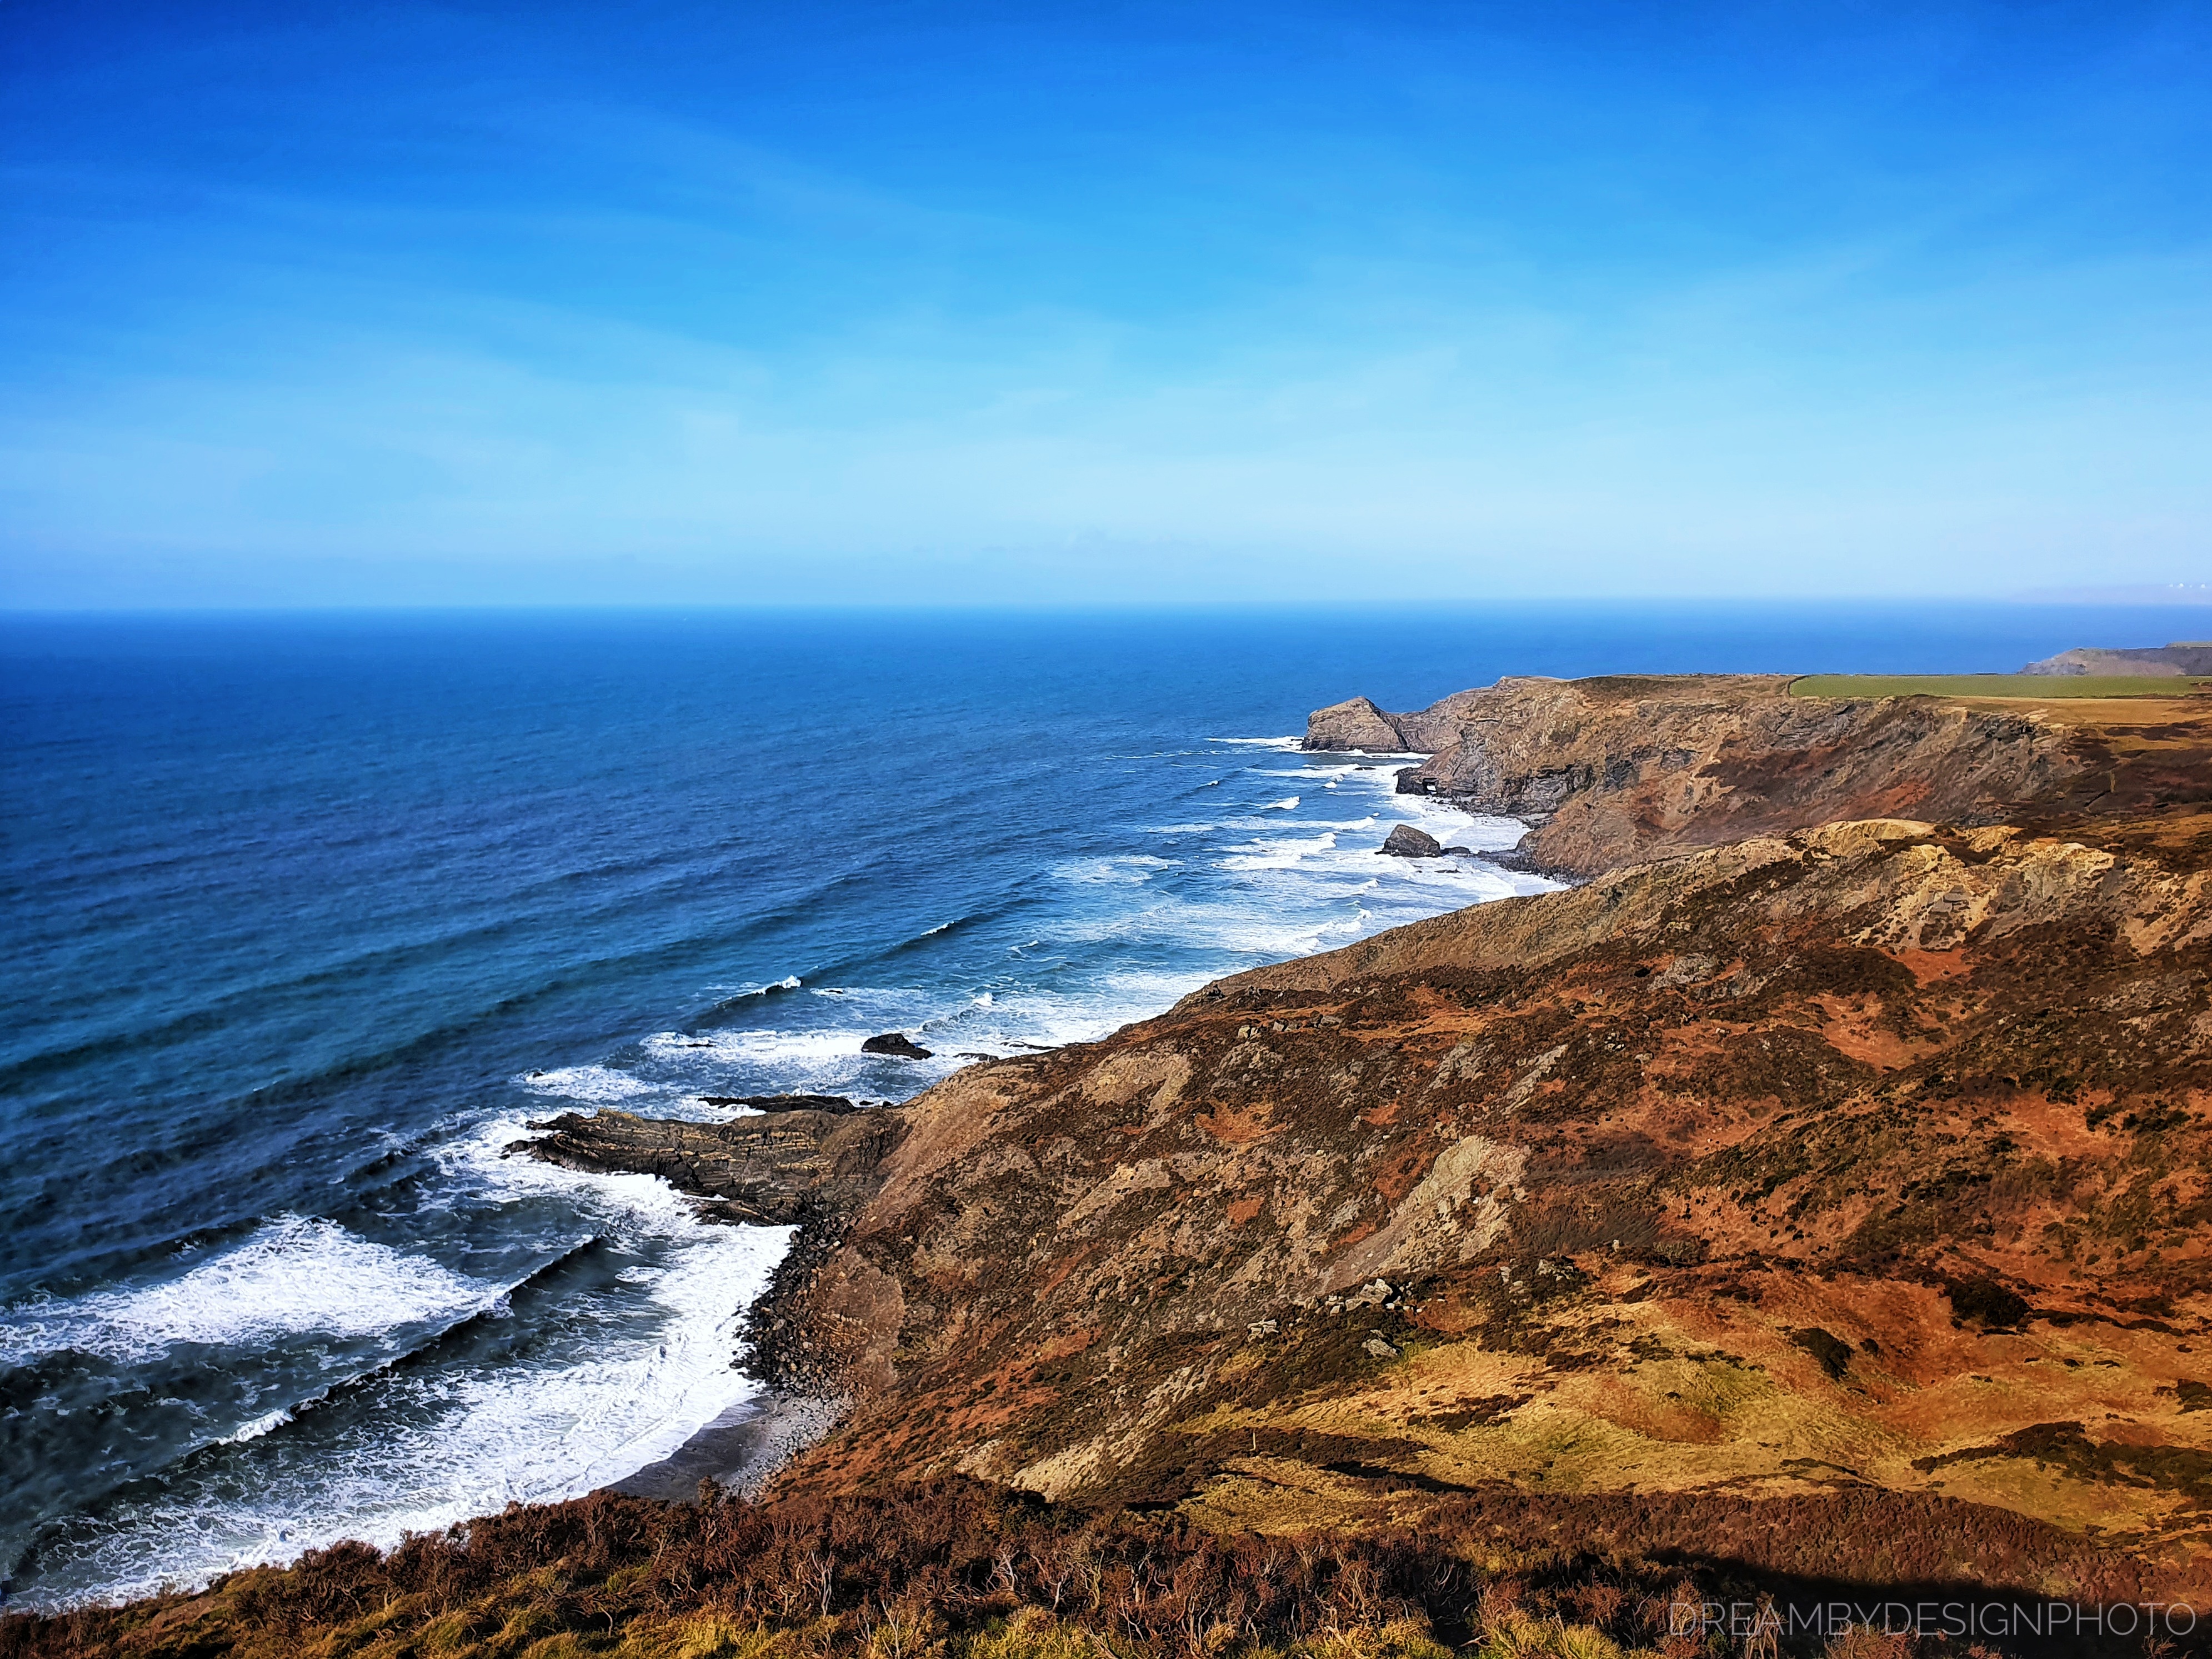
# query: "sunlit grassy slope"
2039,687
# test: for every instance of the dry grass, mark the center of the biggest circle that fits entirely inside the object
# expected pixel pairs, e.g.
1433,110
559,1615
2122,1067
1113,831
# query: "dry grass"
2037,688
958,1571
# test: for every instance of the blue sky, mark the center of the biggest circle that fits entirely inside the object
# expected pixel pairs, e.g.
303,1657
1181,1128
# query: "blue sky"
391,303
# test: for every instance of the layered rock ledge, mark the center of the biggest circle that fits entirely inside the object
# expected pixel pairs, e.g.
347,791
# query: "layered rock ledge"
778,1169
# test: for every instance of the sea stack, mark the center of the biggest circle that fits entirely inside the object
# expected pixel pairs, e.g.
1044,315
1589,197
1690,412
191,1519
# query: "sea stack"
1408,842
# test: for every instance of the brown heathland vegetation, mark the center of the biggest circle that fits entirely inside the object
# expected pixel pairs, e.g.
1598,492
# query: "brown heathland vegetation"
961,1571
1869,1159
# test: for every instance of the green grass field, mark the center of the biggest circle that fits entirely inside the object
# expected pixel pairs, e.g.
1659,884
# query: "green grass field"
2039,686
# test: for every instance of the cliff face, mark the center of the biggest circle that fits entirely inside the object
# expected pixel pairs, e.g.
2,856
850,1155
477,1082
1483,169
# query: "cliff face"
2187,657
1618,769
1873,1157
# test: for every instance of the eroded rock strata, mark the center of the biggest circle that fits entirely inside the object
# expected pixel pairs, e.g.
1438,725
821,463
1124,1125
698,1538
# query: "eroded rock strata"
1870,1158
778,1169
1616,769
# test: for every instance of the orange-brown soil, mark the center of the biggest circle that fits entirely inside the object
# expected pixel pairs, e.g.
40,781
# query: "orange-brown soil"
1872,1159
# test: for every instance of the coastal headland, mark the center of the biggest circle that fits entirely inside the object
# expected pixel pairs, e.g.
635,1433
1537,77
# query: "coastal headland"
1806,1147
1812,1199
1617,770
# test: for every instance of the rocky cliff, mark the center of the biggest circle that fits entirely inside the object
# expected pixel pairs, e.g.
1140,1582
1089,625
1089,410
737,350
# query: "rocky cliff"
1613,770
2186,657
1870,1159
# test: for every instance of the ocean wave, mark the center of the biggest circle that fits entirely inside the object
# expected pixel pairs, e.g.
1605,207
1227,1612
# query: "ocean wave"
592,1085
424,1350
1261,743
259,1426
1127,870
434,1446
294,1276
1278,854
732,1001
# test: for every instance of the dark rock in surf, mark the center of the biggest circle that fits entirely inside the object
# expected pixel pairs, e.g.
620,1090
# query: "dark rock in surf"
776,1169
1408,842
896,1044
836,1105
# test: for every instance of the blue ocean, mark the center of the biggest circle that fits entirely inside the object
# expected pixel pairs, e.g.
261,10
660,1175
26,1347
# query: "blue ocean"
308,917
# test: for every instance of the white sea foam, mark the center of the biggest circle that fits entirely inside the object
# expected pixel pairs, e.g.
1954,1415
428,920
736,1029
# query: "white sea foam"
594,1085
1261,743
259,1426
1128,870
293,1276
1272,895
472,1444
1228,929
1281,855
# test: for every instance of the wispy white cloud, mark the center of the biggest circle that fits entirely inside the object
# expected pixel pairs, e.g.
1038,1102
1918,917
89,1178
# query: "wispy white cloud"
616,351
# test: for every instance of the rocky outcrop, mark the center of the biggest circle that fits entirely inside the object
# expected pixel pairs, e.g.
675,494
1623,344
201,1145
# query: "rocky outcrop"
1406,842
1614,770
897,1044
837,1104
2156,660
1873,1157
778,1169
1355,726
